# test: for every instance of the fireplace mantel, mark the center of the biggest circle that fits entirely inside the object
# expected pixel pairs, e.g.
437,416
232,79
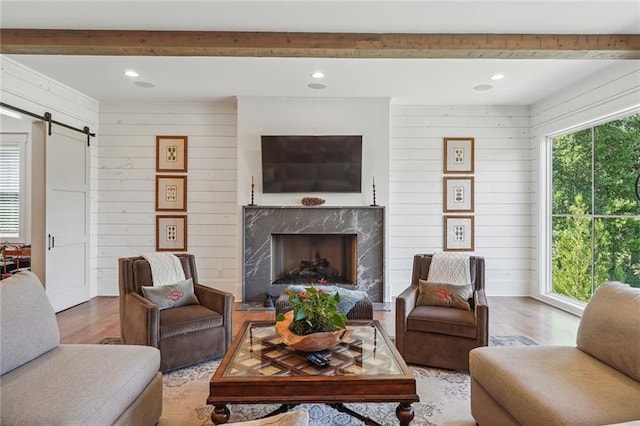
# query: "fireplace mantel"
261,222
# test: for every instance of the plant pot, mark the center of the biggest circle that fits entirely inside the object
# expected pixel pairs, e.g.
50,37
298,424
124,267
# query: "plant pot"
311,342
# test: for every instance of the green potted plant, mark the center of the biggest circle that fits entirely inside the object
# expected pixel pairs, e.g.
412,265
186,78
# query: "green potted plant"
314,323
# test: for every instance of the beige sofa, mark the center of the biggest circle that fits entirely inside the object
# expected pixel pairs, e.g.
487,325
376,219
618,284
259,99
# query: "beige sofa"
596,382
43,382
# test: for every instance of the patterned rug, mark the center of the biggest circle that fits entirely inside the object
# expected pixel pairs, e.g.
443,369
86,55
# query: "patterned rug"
444,398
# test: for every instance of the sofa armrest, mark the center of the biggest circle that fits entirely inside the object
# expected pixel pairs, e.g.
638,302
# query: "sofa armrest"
481,310
219,301
405,302
142,321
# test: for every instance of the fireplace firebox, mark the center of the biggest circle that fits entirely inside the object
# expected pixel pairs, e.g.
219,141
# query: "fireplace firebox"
314,259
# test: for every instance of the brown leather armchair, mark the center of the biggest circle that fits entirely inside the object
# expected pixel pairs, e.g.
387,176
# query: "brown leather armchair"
186,334
441,336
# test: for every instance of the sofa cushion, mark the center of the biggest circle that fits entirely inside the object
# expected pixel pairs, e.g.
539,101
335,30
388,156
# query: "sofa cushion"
171,295
554,385
28,326
442,320
92,385
610,330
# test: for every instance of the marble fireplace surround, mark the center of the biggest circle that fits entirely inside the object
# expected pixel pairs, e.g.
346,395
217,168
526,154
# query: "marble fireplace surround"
260,222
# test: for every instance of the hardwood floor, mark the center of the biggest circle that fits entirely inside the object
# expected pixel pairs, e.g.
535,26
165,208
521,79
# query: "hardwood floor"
98,318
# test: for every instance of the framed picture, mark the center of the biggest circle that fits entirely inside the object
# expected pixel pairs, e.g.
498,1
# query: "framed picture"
171,233
171,153
171,193
458,233
458,194
458,155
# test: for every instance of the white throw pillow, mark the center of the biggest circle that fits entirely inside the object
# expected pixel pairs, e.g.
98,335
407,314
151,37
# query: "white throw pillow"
172,295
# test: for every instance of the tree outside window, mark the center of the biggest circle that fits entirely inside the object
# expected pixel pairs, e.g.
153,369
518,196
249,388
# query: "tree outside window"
595,213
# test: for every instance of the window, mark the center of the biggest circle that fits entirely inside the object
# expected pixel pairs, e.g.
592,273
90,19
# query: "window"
13,195
595,213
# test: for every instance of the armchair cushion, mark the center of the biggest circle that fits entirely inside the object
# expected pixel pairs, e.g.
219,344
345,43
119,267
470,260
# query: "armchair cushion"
187,319
442,320
449,295
172,295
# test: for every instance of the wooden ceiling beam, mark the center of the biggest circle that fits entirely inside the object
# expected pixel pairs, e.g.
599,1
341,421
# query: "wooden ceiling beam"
318,45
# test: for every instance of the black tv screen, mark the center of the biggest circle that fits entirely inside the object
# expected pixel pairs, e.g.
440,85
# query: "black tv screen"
312,163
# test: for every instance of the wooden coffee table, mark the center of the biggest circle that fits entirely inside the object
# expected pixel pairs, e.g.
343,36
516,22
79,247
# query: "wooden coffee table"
259,369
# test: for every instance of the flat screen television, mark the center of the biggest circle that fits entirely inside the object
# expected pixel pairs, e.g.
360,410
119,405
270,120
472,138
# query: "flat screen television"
312,164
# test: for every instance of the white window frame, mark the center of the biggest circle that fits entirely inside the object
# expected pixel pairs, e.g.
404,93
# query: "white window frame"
546,185
21,140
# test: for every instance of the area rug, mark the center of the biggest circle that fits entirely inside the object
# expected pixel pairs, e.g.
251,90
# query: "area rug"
444,398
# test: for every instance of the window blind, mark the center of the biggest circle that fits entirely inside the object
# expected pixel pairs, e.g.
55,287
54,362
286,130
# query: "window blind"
9,190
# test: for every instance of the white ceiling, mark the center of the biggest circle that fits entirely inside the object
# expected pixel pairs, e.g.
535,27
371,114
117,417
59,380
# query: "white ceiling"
423,81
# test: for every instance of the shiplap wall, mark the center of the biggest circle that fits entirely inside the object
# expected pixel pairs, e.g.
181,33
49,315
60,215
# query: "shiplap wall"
32,91
503,185
508,164
126,181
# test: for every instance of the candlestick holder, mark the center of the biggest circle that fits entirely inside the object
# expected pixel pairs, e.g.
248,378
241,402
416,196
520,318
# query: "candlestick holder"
374,196
252,194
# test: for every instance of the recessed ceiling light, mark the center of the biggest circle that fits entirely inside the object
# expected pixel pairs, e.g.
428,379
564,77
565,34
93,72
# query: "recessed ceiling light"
318,74
483,87
316,86
498,76
145,84
130,73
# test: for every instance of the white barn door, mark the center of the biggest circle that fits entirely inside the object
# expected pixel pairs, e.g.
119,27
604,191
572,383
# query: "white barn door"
67,218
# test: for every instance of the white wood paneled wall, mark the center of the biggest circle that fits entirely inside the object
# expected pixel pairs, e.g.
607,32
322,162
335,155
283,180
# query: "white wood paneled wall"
32,91
504,225
126,180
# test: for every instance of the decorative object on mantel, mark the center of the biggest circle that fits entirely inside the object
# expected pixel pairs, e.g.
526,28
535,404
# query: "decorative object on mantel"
315,323
312,201
253,185
374,193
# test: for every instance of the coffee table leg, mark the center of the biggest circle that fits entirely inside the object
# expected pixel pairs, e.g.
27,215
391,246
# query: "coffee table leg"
405,413
220,414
